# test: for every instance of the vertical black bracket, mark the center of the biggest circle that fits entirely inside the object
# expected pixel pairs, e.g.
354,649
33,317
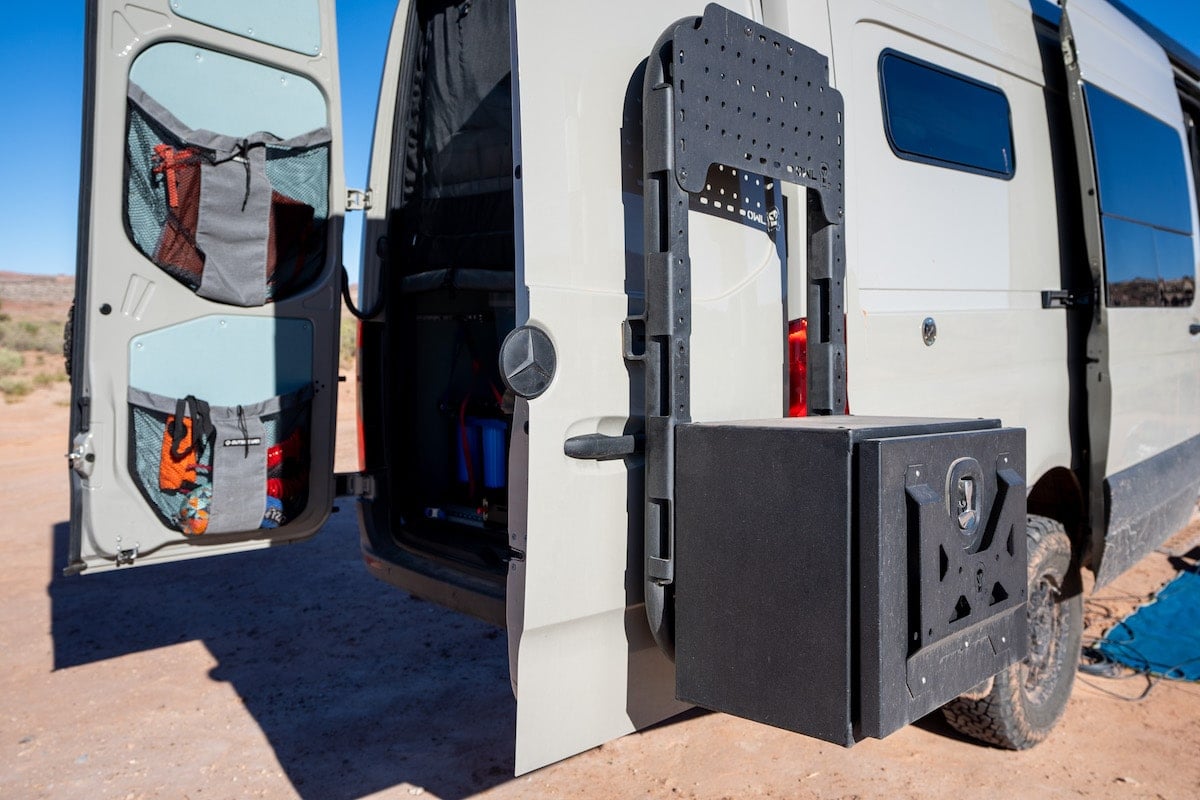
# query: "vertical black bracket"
723,89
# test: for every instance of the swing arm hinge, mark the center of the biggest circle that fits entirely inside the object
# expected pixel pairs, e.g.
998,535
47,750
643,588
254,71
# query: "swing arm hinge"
360,485
358,199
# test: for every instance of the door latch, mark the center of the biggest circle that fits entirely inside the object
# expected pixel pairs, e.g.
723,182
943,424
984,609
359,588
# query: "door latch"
1065,298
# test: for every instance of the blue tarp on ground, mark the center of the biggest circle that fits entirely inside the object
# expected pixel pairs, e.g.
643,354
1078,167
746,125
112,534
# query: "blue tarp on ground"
1164,636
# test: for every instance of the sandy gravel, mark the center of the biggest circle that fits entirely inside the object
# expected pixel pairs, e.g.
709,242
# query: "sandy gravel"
291,673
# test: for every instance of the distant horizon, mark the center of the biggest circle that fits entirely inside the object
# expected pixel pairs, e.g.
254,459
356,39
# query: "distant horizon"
42,149
46,275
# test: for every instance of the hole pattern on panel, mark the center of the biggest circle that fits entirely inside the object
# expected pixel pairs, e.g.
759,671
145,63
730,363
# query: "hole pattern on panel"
750,98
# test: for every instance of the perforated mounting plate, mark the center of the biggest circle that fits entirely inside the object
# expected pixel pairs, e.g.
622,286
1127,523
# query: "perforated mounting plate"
737,195
749,97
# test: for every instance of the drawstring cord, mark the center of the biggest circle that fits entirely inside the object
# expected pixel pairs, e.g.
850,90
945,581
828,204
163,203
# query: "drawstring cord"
244,156
241,153
241,420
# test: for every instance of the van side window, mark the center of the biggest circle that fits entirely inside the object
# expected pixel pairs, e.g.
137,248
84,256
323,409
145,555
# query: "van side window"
935,116
1191,118
1144,205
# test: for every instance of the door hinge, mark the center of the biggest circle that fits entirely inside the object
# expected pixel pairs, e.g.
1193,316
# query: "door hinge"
358,199
1068,51
82,457
126,555
354,484
1064,298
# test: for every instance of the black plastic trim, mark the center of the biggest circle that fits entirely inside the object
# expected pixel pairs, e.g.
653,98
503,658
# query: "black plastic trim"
1097,383
1146,503
602,447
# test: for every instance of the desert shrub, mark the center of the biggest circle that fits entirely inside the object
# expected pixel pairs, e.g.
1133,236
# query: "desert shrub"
13,389
42,336
10,362
349,340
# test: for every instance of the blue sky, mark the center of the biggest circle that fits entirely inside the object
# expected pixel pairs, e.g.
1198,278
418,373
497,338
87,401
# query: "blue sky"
41,55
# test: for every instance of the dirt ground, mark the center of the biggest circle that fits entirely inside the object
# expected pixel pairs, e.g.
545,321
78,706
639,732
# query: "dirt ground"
291,673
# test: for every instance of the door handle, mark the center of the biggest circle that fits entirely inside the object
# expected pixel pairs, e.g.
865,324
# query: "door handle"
1194,329
599,447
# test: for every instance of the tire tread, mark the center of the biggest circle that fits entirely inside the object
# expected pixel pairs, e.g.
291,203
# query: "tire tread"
993,712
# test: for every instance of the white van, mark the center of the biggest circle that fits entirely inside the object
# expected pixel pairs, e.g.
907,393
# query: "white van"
628,270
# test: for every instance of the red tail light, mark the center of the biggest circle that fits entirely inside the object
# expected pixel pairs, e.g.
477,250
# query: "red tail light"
798,368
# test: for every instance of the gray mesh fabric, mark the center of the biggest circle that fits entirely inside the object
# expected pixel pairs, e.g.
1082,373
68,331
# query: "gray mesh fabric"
301,173
145,206
230,249
148,430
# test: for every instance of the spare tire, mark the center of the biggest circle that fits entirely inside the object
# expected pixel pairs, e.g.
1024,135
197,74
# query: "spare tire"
1018,708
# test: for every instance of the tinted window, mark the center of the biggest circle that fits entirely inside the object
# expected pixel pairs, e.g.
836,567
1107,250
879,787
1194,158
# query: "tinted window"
1144,204
1139,163
939,117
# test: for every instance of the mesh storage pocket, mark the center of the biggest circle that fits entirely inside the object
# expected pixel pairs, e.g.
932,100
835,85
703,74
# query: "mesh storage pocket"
239,221
221,469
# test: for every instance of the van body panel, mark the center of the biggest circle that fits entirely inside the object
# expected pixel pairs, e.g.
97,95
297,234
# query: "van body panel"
971,252
151,75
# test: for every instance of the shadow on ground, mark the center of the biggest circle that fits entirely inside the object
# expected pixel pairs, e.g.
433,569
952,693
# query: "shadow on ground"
357,686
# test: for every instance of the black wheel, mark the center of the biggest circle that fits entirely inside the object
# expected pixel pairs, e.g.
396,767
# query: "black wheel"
1018,708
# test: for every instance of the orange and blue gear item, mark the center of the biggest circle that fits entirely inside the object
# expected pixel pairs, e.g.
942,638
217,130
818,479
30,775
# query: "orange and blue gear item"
193,516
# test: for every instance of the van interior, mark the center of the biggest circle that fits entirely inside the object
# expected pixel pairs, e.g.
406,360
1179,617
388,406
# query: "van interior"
450,291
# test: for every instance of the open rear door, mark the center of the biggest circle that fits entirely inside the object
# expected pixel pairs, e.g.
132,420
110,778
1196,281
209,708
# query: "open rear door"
1140,223
206,307
586,666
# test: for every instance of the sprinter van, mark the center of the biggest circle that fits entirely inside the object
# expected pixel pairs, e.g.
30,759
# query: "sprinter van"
791,359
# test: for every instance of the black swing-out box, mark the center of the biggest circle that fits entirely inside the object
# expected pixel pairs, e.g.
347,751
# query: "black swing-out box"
844,576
